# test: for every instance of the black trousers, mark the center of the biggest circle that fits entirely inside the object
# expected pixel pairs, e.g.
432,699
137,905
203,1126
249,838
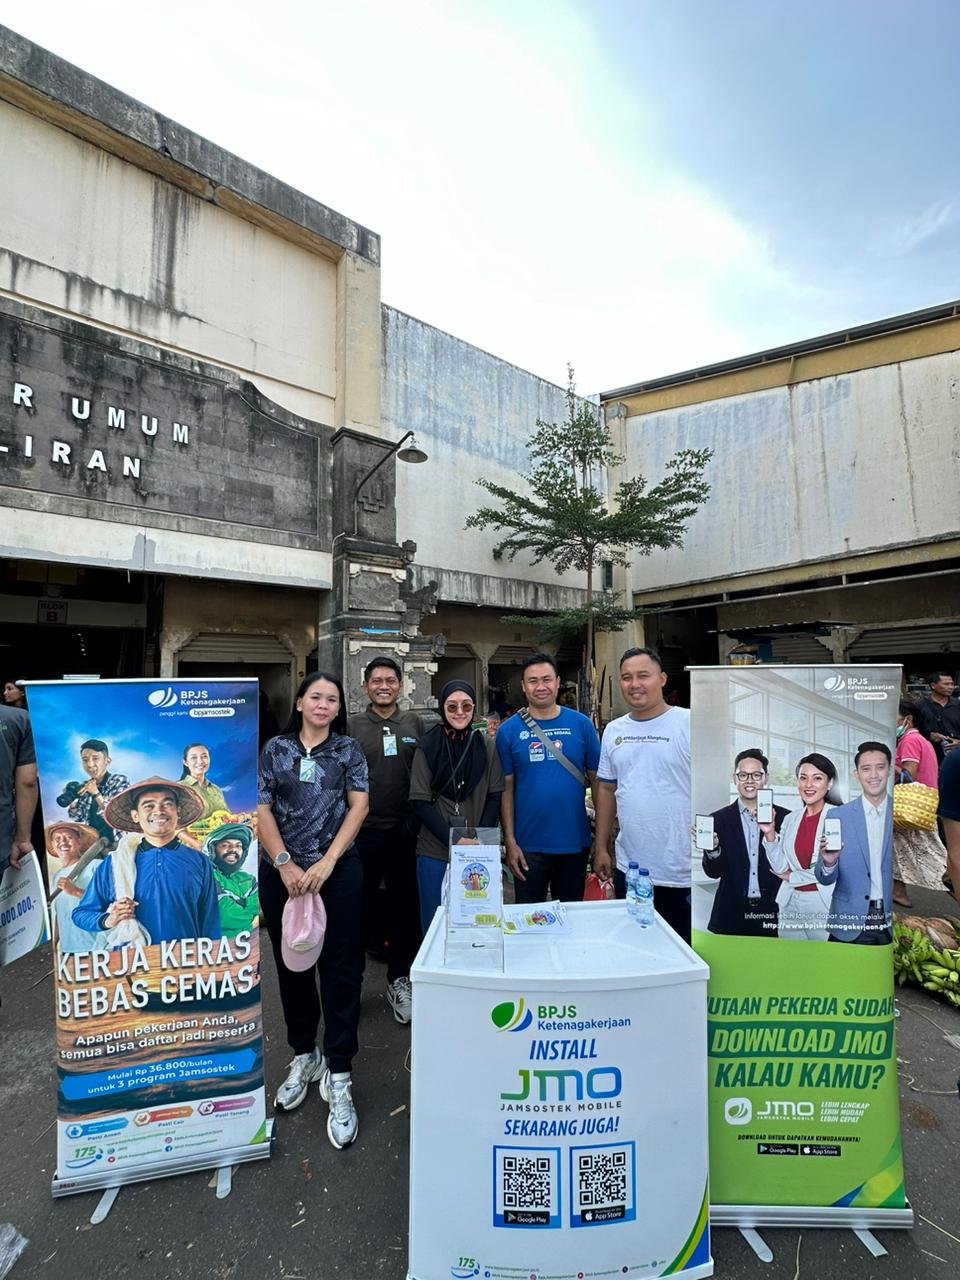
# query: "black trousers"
671,903
339,968
389,857
562,873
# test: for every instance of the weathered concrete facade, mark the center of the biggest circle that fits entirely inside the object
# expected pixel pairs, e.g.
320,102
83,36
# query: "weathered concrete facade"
193,361
473,413
189,389
833,529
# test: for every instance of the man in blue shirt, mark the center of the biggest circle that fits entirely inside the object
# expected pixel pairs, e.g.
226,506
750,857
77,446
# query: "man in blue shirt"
164,885
544,819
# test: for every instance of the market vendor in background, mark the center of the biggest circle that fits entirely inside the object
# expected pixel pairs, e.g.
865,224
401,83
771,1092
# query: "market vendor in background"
918,856
237,900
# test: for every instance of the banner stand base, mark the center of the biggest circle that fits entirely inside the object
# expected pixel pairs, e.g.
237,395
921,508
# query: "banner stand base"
757,1243
746,1218
109,1181
104,1205
870,1242
811,1215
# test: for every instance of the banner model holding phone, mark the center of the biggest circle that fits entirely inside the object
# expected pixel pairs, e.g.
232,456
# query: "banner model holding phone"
791,864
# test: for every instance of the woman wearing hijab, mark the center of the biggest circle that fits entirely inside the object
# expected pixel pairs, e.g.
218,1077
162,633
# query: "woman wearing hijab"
455,784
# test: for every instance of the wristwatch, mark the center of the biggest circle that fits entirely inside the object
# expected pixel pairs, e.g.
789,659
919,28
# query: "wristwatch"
281,859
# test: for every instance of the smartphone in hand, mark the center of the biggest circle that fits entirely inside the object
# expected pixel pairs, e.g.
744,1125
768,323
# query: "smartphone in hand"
764,806
704,834
832,835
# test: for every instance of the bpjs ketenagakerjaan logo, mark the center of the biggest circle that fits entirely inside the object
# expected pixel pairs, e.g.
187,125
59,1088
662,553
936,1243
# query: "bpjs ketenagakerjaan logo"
163,698
512,1015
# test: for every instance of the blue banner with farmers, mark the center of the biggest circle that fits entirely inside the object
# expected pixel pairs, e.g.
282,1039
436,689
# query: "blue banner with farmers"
149,792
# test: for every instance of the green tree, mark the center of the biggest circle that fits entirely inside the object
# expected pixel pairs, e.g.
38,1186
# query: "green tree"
567,517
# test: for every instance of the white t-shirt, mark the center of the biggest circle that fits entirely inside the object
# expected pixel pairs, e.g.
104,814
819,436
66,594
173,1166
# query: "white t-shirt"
649,760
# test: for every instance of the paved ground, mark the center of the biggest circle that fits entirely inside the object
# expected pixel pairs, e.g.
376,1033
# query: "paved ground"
311,1211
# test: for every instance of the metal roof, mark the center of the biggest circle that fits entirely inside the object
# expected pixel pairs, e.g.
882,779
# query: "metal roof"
909,320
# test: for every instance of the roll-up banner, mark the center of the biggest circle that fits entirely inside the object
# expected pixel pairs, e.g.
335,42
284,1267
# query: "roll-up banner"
149,792
792,909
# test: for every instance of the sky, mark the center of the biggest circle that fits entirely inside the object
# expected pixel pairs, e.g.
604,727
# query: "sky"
633,187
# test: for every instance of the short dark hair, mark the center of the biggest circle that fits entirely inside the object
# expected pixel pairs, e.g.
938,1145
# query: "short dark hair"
872,746
752,753
820,762
535,660
95,744
936,676
384,661
339,722
642,652
909,706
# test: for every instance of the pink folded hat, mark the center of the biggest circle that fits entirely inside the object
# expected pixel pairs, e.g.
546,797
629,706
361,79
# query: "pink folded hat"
304,924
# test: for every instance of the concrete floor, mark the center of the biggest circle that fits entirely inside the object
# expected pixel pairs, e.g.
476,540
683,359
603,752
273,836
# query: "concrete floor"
311,1211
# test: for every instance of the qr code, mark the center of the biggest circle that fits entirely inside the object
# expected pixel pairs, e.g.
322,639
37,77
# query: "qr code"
602,1184
526,1186
527,1182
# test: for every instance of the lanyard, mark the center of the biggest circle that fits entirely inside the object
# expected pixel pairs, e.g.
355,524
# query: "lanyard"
457,783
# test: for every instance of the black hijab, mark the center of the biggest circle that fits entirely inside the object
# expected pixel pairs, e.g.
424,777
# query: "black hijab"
457,757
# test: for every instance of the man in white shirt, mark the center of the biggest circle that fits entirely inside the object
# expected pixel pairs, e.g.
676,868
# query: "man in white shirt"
644,780
861,873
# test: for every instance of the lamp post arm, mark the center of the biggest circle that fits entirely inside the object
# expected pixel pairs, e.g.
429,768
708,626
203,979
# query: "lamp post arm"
372,472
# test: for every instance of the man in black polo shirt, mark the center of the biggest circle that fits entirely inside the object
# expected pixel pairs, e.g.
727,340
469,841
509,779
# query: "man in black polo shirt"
938,716
387,841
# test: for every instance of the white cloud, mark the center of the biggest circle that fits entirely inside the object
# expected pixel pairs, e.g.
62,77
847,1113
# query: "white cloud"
511,176
912,232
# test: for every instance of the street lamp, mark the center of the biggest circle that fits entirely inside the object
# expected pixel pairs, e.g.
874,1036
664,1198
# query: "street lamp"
412,453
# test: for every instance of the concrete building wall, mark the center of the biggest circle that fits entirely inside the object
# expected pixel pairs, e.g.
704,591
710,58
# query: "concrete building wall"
832,468
473,414
96,237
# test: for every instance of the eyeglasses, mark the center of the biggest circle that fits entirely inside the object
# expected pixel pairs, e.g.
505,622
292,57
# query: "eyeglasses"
749,777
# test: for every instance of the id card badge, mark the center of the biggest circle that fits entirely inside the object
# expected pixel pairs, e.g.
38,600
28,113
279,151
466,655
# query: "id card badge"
389,744
308,769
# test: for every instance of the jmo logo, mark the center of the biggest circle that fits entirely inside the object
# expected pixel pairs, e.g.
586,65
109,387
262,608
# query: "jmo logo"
552,1086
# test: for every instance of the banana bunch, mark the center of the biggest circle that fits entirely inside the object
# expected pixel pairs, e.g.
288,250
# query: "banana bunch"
916,959
942,974
911,951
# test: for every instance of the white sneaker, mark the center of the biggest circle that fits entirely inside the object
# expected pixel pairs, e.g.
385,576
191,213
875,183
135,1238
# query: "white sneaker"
342,1122
304,1068
400,995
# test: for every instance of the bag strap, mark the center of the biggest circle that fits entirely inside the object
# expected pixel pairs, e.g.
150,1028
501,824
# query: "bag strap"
554,750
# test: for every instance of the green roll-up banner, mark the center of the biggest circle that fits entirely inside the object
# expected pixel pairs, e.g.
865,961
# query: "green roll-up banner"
792,909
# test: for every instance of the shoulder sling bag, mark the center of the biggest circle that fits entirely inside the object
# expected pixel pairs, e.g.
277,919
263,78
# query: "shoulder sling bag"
554,750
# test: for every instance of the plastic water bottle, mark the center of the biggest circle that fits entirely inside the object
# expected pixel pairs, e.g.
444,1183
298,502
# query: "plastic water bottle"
644,910
633,903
